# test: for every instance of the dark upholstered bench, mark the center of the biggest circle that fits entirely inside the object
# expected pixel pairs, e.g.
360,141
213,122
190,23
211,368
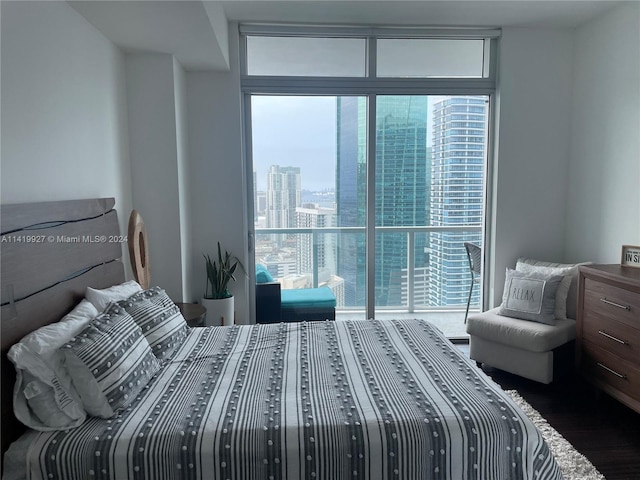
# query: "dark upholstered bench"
308,304
291,305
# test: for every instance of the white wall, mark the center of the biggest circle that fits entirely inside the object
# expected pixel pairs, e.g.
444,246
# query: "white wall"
220,25
604,179
157,150
64,114
532,149
217,190
184,176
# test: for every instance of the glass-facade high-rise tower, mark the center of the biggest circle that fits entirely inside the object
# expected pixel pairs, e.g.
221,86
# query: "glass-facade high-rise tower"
457,194
401,190
351,178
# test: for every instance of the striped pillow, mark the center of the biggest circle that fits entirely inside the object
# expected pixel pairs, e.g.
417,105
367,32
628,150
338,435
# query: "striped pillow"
110,362
160,320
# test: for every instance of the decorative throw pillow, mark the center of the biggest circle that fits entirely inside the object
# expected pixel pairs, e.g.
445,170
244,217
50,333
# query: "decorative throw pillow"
563,289
43,396
103,297
160,320
530,296
110,362
571,300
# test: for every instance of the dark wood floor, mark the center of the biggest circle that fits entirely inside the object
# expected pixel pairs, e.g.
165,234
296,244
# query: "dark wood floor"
599,427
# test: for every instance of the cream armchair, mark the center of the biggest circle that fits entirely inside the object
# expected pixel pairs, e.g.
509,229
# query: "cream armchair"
532,349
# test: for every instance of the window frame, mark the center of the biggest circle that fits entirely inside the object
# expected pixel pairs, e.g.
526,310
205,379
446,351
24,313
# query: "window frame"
370,86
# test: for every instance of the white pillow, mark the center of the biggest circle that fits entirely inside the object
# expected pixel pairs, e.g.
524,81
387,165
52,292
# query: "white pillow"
568,301
43,397
103,297
46,340
563,289
530,296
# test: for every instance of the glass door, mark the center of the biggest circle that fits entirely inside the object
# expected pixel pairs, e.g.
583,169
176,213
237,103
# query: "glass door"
430,163
310,161
309,166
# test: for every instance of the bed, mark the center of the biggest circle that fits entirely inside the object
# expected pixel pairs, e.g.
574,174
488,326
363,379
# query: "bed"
312,400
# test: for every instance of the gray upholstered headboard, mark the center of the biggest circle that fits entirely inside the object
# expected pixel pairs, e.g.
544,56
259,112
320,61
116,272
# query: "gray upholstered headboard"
50,253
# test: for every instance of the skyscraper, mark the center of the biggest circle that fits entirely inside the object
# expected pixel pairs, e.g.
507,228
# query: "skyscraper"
321,250
401,190
255,197
457,194
401,187
283,196
351,178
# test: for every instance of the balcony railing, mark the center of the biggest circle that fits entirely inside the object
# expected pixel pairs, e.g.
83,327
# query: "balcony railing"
451,258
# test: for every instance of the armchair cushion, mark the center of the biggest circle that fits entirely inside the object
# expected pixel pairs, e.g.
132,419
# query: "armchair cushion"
520,334
321,297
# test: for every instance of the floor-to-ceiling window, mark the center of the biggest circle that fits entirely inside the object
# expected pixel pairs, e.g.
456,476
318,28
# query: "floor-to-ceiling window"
368,153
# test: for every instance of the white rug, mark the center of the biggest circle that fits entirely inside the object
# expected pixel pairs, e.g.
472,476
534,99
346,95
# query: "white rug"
573,464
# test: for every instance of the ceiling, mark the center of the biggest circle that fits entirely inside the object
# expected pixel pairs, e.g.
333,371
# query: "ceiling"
195,31
420,12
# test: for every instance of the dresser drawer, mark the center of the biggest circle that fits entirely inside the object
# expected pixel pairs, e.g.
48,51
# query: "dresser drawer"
609,302
618,338
606,368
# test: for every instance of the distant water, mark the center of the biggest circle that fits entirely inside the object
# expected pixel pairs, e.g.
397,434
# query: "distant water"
325,199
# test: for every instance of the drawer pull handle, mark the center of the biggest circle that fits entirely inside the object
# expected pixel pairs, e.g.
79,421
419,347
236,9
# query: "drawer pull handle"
603,333
609,302
620,375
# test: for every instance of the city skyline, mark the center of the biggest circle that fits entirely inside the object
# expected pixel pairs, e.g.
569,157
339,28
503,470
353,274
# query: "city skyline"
406,168
300,131
295,131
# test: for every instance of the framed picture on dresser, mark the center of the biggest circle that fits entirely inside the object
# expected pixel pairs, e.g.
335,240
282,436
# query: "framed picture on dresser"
630,256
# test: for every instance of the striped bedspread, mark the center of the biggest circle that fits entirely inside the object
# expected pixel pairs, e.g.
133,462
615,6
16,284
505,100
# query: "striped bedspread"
318,400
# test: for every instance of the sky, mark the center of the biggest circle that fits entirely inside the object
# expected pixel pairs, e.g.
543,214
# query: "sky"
295,132
299,131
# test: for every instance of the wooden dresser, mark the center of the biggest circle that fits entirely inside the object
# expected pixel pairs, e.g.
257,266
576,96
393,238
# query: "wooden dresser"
608,330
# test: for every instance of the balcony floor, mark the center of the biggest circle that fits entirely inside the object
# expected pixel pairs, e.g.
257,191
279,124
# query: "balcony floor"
449,322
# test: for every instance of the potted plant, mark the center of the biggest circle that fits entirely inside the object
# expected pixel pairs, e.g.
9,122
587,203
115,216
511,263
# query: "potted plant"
217,299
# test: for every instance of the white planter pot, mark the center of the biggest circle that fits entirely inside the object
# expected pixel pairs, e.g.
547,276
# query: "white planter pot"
219,311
